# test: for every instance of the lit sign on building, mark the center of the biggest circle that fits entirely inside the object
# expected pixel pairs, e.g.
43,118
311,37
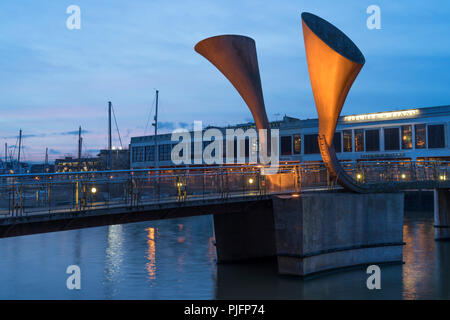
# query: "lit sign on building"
382,115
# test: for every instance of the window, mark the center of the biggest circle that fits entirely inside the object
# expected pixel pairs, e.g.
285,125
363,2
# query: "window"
247,147
149,153
391,139
311,144
348,141
373,140
164,152
407,137
297,144
421,136
224,149
286,148
436,136
137,154
337,142
359,140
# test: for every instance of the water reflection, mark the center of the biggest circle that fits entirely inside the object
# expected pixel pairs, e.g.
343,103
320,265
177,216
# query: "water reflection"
419,270
176,259
113,254
151,254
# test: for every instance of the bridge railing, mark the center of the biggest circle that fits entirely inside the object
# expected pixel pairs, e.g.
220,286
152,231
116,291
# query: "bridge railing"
28,194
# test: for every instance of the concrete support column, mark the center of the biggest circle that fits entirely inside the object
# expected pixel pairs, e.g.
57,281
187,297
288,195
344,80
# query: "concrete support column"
441,214
324,231
246,235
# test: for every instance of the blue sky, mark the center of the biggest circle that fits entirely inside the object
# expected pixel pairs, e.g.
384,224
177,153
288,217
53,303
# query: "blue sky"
53,80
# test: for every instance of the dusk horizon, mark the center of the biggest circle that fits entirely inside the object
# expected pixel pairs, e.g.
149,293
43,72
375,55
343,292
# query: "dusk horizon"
54,80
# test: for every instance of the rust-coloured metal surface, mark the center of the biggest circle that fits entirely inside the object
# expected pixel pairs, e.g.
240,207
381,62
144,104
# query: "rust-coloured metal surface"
334,62
235,56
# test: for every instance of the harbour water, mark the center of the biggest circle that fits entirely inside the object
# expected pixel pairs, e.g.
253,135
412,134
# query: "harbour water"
175,259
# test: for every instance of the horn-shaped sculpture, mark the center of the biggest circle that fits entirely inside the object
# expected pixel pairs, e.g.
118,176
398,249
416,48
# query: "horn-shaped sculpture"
334,62
235,56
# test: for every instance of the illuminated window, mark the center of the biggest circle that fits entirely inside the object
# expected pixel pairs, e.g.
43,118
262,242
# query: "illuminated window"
297,144
359,140
337,142
407,137
311,144
391,139
286,143
373,140
347,140
436,136
421,136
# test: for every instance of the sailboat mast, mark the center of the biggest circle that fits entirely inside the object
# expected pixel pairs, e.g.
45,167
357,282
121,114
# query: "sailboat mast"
46,160
109,136
156,132
79,148
20,147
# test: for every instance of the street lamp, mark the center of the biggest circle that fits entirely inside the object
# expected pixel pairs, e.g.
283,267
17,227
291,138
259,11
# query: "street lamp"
94,190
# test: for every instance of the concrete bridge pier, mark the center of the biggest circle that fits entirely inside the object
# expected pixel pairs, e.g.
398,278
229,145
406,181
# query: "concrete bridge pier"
325,231
245,235
442,214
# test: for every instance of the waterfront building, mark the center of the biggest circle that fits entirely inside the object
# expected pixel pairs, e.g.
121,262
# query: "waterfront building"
42,168
71,164
120,159
420,134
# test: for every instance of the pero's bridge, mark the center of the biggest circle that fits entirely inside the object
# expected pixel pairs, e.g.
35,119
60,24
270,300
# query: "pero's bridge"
77,192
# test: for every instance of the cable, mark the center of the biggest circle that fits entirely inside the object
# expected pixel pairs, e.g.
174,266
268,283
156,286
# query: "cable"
117,127
150,115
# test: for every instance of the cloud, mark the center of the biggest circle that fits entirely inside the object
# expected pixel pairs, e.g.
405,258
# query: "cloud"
54,151
73,133
172,125
24,136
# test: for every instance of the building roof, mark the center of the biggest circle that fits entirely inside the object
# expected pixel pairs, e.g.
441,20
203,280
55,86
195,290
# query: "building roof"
292,122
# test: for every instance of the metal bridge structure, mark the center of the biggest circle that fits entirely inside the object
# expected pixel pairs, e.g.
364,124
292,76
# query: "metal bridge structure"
32,203
23,195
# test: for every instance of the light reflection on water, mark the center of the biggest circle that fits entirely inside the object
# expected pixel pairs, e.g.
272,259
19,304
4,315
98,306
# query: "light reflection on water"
151,254
176,259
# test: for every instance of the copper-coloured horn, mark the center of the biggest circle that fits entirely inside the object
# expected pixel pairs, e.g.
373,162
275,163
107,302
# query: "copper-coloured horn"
235,56
334,62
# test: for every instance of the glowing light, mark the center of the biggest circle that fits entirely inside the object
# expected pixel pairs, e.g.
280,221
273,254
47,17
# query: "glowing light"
295,195
403,176
358,176
442,177
94,190
382,115
250,181
179,184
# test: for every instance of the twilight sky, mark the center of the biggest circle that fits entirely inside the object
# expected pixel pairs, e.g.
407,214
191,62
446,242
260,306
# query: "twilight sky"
53,79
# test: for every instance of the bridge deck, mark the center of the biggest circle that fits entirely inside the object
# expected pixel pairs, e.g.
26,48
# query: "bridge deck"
52,202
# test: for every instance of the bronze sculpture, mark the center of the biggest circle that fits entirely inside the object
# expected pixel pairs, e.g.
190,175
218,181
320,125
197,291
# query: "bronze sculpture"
235,56
334,62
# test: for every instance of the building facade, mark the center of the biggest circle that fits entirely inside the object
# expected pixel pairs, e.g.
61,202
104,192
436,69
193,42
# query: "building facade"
71,164
405,135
